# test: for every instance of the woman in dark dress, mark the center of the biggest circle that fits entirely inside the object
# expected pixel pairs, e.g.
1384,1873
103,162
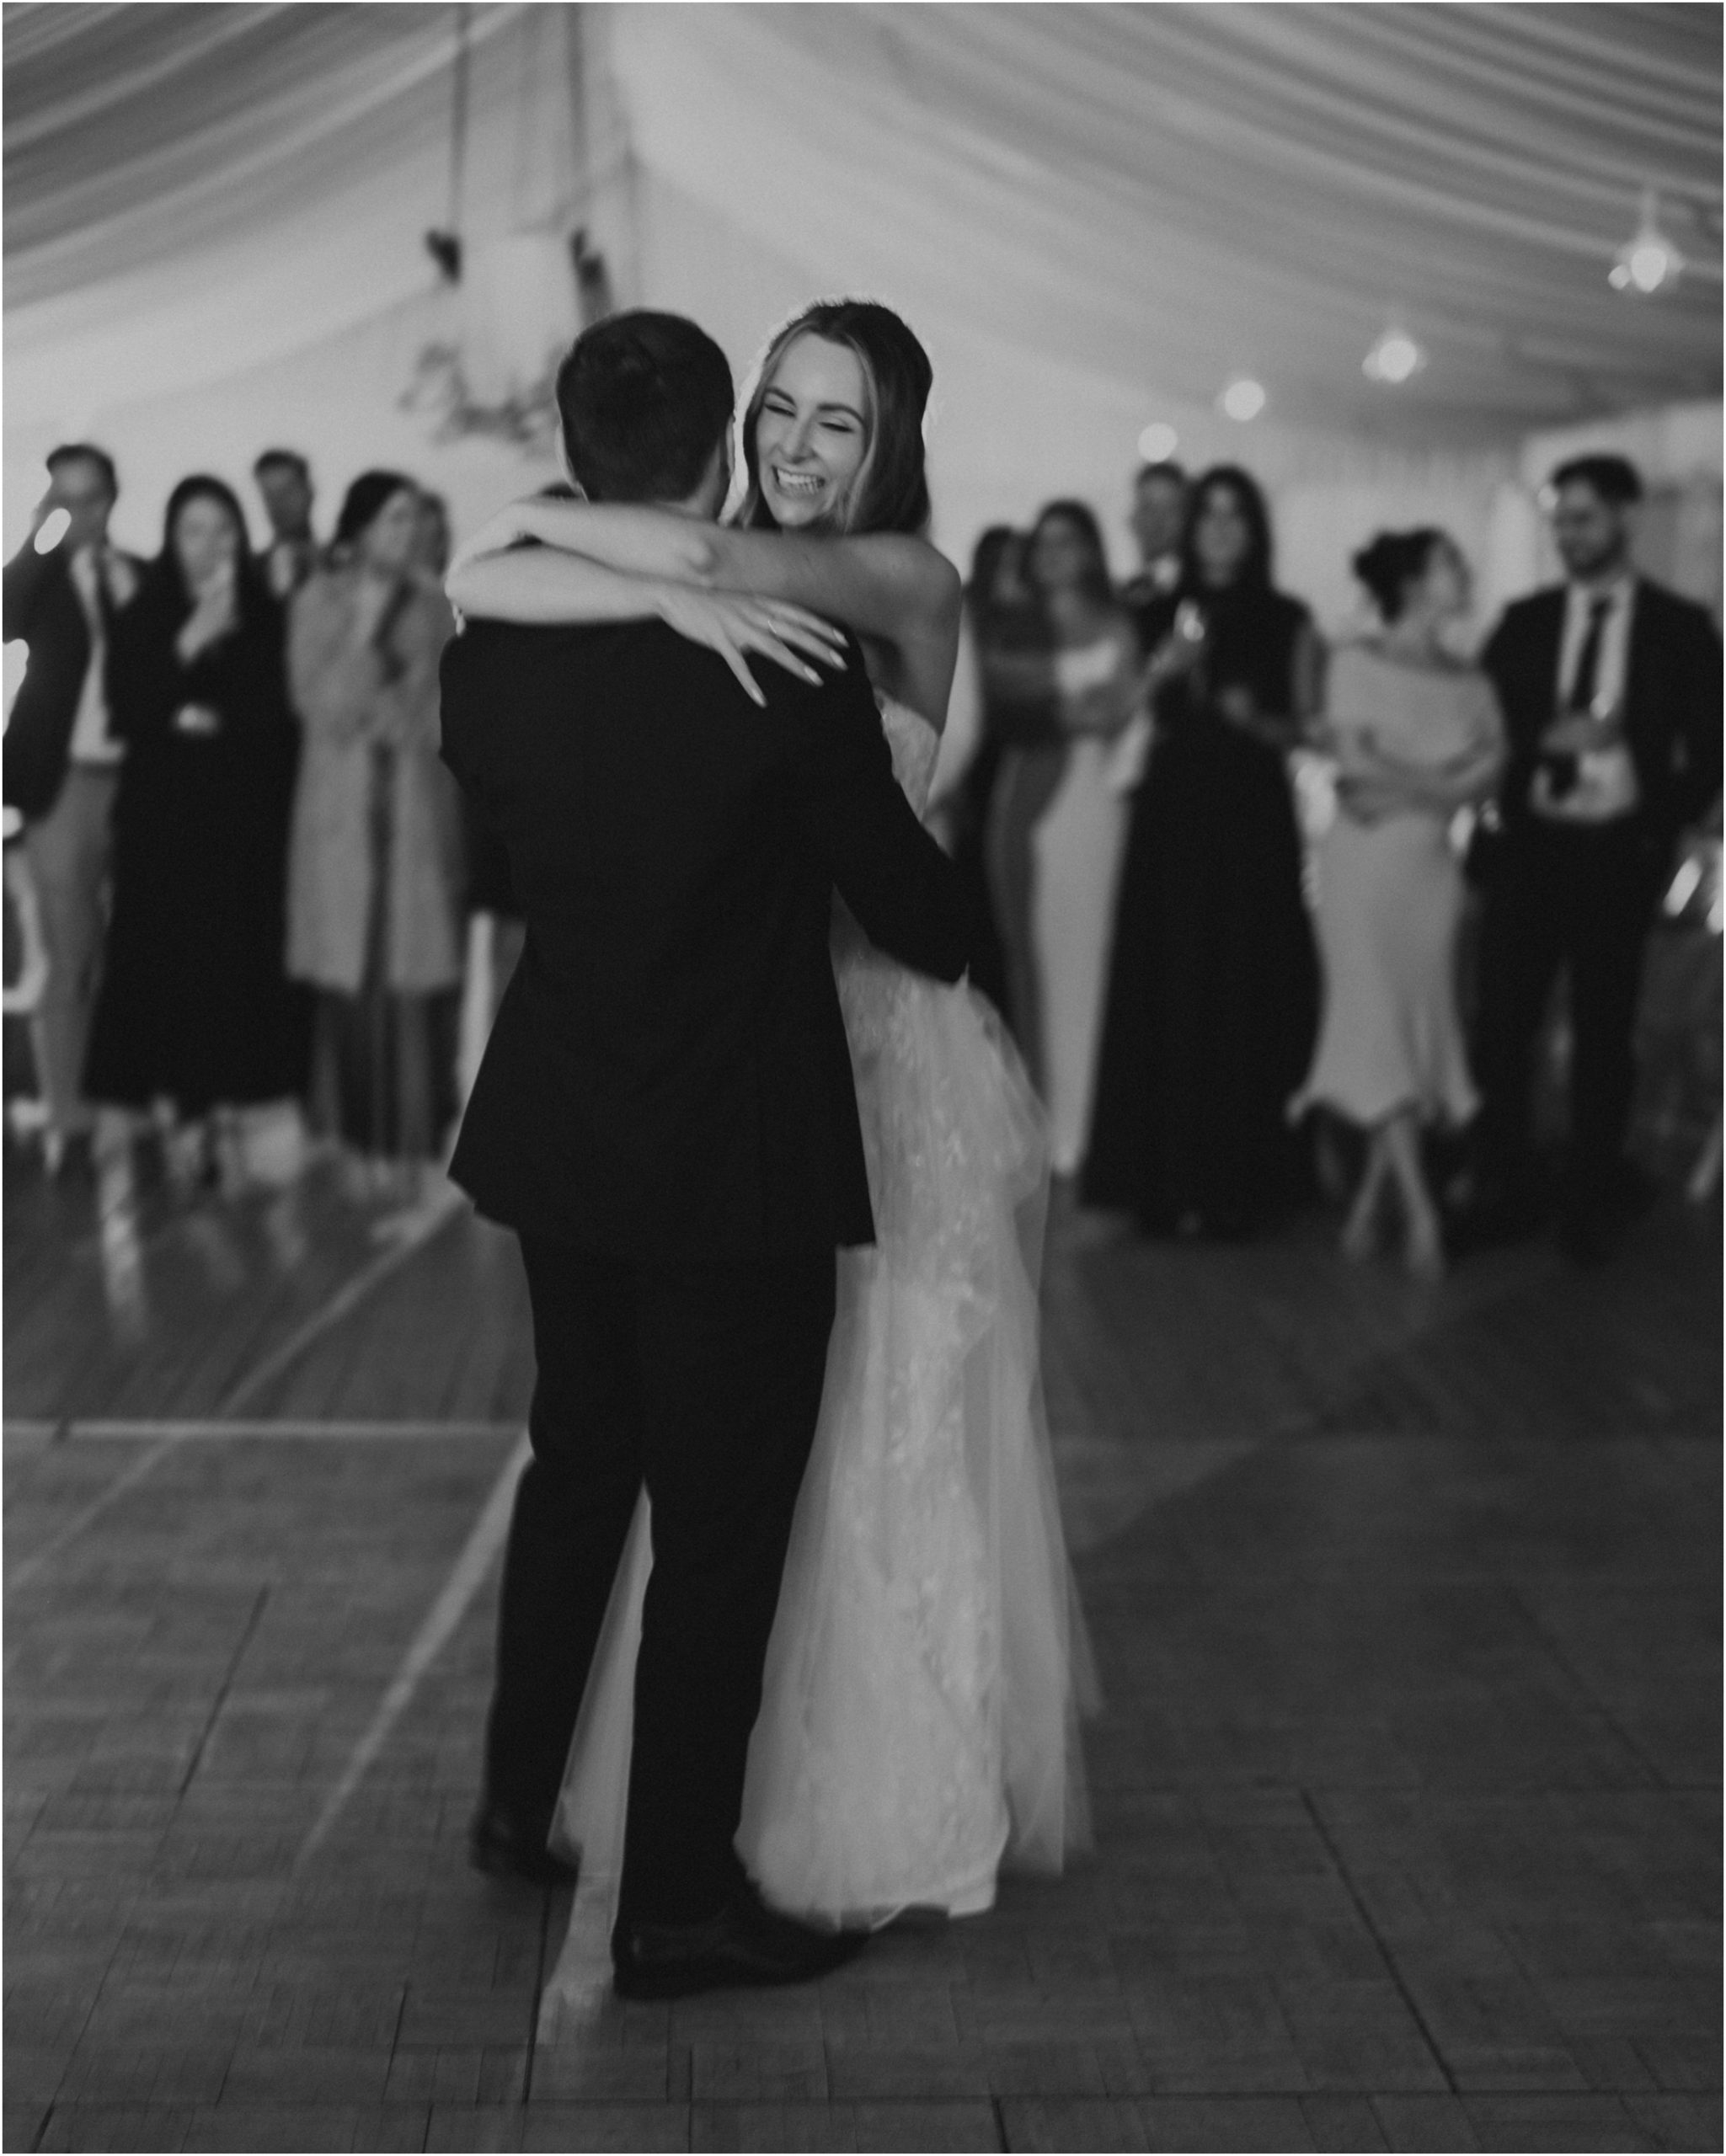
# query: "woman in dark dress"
196,1008
1213,996
996,607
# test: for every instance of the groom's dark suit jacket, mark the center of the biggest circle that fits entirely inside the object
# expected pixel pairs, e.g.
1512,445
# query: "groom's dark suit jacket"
669,1078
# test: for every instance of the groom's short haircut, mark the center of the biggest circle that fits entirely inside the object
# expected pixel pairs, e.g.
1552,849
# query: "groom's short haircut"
645,399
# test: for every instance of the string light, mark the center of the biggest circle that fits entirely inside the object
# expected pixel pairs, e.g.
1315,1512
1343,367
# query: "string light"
1647,262
1395,359
1243,399
1158,442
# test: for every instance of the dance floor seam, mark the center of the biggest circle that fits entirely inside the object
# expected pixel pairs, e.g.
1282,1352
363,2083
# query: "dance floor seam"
1405,1783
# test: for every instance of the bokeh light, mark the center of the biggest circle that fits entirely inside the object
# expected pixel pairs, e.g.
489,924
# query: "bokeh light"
1395,359
1243,399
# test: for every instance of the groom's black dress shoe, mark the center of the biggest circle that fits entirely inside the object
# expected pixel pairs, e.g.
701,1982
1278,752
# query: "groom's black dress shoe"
746,1944
509,1845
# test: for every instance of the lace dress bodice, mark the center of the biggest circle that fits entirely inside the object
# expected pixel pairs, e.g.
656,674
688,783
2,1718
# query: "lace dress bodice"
901,1084
877,994
915,746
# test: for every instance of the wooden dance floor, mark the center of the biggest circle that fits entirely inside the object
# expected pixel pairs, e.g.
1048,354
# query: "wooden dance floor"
1406,1786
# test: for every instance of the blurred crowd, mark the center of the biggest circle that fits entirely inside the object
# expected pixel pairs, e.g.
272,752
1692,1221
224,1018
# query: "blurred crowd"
1258,913
236,851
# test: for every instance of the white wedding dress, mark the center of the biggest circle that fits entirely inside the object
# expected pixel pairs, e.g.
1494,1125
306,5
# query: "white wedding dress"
918,1726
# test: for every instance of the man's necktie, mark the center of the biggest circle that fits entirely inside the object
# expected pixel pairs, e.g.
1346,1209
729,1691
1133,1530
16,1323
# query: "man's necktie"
1587,662
105,608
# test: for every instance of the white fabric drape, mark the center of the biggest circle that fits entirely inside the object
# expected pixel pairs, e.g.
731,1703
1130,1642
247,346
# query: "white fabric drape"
1166,191
1175,191
193,191
1092,214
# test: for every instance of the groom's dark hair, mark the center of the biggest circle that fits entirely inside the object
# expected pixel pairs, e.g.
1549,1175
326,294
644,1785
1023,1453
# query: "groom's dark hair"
645,399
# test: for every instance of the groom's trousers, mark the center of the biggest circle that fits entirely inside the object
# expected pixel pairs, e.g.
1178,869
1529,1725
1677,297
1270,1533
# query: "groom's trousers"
705,1380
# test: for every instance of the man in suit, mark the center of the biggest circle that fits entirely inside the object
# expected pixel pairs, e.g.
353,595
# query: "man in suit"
1159,521
283,479
1611,691
665,1117
62,763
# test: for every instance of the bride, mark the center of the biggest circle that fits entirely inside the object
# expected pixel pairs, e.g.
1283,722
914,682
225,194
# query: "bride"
918,1724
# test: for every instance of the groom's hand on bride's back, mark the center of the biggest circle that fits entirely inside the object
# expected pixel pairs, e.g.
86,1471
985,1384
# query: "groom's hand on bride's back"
903,890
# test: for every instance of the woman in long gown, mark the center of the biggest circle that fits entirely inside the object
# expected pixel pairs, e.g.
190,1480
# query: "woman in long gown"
1416,736
1059,819
1213,994
918,1726
196,1008
376,877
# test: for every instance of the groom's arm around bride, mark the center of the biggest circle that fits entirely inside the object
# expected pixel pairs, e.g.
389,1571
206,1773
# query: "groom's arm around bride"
665,1117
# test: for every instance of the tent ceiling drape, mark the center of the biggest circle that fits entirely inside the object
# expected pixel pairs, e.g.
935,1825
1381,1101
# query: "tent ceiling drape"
134,134
1176,192
1158,195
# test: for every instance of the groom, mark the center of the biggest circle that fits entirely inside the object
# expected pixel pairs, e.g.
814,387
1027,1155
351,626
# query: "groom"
665,1117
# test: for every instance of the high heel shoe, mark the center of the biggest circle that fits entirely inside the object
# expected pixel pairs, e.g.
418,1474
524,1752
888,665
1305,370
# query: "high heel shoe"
1361,1230
1359,1237
1423,1251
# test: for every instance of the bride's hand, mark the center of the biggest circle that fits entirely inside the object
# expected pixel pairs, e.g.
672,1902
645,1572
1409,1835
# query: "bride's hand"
734,624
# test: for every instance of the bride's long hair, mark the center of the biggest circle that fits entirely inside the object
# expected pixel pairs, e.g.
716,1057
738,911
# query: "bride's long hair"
890,492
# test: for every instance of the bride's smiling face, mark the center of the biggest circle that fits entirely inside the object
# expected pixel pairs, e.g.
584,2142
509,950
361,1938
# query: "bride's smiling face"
811,435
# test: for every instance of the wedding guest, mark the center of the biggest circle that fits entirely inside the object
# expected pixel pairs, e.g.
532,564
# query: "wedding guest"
24,967
195,1007
1610,689
375,892
284,483
1213,989
434,550
487,882
1016,670
1058,818
1158,518
1416,736
62,763
997,606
